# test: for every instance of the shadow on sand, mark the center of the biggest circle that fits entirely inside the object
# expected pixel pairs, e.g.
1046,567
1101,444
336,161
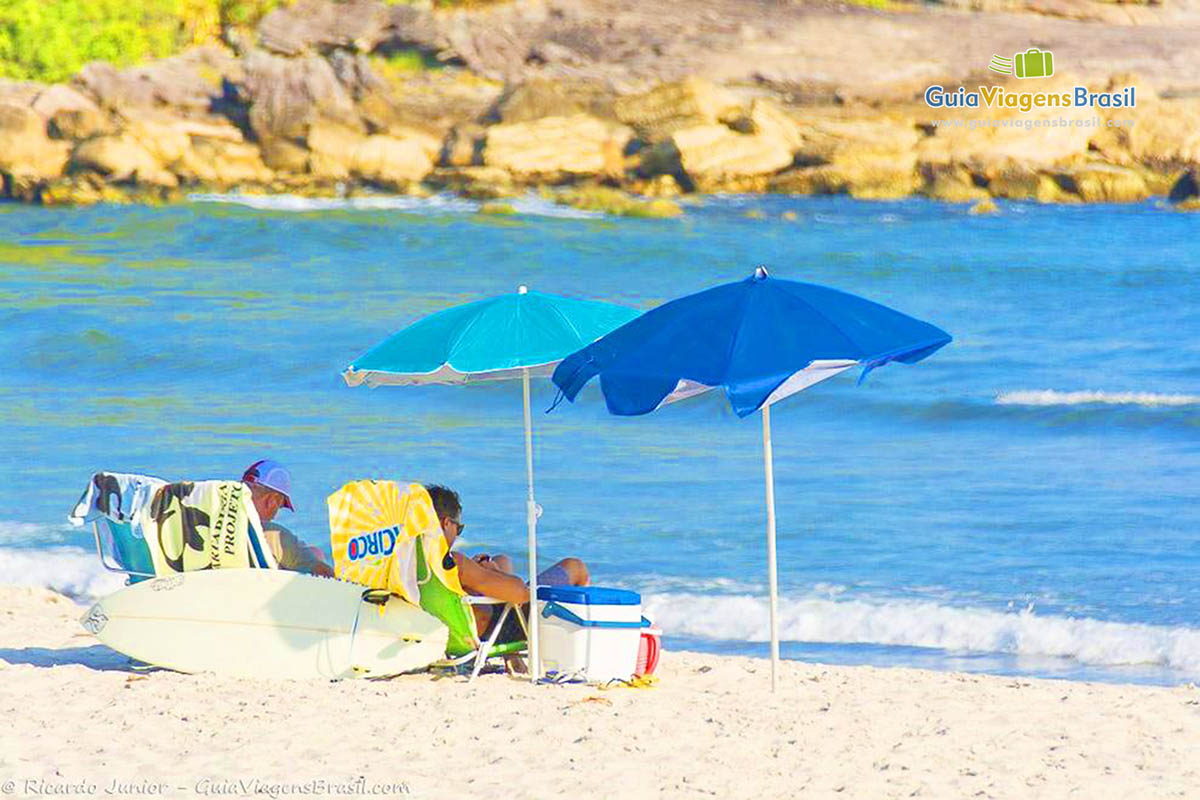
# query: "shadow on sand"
97,657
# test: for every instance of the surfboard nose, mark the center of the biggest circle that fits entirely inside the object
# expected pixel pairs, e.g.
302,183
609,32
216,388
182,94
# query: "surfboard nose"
94,620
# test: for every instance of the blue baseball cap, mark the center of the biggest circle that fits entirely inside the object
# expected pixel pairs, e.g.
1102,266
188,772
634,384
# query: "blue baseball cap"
272,475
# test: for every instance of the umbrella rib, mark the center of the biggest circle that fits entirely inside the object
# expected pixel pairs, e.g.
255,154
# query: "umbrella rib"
737,335
461,336
833,325
570,325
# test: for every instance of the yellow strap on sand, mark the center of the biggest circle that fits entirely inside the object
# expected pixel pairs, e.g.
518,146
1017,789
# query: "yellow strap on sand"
636,682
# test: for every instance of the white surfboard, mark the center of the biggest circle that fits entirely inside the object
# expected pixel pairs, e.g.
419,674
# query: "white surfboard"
263,623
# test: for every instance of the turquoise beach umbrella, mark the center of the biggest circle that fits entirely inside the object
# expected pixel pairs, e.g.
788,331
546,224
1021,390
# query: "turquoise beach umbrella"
520,335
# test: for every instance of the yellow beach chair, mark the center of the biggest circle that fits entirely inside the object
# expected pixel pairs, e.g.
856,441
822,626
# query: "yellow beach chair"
388,538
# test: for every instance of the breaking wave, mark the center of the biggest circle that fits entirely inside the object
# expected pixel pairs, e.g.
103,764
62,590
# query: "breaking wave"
1050,397
72,571
929,625
530,204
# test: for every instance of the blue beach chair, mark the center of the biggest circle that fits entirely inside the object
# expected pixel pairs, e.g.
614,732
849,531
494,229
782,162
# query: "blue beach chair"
113,504
110,503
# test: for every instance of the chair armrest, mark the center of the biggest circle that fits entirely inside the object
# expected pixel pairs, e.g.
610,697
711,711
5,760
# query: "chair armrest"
481,600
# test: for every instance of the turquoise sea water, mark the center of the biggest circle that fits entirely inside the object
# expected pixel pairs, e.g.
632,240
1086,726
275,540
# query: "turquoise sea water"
1022,502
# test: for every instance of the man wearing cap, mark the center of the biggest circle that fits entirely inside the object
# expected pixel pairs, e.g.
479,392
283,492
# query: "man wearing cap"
270,490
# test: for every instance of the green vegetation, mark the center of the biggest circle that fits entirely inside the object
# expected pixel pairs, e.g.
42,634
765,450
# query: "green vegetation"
401,63
614,201
497,209
50,40
446,3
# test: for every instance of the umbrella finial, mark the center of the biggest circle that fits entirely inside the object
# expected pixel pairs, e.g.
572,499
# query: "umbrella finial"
760,272
522,289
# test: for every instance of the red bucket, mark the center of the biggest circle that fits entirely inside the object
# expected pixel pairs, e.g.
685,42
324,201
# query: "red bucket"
648,649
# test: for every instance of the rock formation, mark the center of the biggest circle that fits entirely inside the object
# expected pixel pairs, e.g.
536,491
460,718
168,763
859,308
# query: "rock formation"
614,94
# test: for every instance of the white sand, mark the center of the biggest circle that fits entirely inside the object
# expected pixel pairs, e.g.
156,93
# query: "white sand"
72,712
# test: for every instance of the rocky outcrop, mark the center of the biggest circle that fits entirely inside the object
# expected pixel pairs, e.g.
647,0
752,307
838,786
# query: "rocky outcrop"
312,25
223,164
868,157
330,97
952,184
287,96
557,146
70,114
1104,183
715,158
121,159
1165,134
1186,189
614,201
190,83
25,148
479,183
690,103
391,163
1014,181
28,157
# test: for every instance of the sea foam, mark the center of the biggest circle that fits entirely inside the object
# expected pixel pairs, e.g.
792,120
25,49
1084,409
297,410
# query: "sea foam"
926,624
530,204
72,571
1050,397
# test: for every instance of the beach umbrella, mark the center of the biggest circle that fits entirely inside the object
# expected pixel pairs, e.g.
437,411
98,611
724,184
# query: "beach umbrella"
761,340
513,336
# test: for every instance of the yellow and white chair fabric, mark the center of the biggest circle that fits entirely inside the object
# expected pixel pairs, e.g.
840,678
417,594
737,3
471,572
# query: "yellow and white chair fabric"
194,525
389,539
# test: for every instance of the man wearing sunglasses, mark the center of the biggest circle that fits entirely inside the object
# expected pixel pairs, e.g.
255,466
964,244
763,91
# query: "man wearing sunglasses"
494,576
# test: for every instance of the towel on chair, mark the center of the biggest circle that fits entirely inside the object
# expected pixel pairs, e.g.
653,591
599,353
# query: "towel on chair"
374,527
115,495
203,525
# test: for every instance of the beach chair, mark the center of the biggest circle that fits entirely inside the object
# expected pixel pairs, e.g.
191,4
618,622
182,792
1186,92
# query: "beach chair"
385,537
111,503
132,515
456,612
197,525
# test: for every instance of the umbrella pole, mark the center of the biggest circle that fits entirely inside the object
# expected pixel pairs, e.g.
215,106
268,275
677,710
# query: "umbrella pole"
535,664
769,469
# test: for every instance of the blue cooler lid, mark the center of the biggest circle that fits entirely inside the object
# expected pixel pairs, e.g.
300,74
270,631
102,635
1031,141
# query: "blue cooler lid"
589,595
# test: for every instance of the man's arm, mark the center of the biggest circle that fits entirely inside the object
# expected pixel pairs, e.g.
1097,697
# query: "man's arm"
479,579
293,554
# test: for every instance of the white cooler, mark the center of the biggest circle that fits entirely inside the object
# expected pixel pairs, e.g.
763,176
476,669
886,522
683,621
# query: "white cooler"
589,631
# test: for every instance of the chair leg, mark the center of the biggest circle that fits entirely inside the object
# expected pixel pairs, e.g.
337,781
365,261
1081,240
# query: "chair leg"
486,647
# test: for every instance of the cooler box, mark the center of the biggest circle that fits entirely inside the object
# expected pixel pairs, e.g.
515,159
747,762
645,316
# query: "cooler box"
589,631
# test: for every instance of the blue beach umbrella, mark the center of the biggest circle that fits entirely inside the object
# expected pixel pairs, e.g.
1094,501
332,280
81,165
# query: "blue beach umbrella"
760,340
520,335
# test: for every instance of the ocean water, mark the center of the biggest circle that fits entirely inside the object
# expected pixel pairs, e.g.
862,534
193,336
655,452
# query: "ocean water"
1023,502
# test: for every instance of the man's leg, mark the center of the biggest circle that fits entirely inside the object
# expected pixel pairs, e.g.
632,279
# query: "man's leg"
568,572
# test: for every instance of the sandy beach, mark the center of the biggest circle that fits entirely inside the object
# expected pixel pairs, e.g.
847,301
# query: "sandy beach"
80,722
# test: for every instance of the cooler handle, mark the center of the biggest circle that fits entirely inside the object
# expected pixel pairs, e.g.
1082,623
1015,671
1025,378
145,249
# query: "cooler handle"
553,609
